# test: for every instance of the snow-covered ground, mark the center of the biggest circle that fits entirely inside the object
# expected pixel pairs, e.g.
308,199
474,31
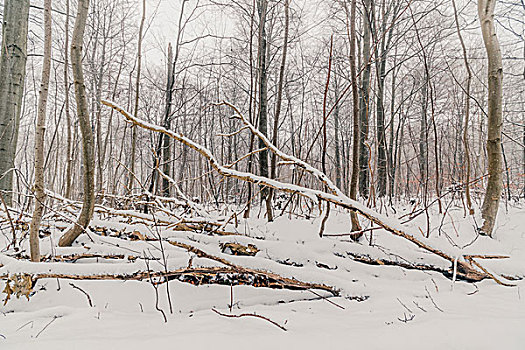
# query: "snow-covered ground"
380,307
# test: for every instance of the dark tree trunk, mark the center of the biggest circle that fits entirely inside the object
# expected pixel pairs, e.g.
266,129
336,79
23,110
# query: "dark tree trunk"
364,104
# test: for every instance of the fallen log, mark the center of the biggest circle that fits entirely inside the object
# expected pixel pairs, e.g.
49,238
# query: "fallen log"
200,276
283,280
449,273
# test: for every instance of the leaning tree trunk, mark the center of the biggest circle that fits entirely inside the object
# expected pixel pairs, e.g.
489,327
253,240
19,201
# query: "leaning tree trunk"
40,195
12,75
88,149
490,206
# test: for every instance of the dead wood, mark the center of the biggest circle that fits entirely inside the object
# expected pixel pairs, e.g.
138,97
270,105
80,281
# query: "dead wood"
200,276
285,281
460,274
75,257
468,270
238,249
181,224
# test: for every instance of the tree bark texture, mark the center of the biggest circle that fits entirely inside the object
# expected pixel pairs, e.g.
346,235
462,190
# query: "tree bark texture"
12,75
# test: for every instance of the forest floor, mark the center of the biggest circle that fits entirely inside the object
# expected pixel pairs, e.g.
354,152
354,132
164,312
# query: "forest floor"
378,306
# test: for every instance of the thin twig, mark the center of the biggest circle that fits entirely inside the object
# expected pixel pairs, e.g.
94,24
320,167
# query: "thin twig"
47,325
326,299
406,307
10,220
156,288
250,315
25,324
432,299
419,307
83,291
407,319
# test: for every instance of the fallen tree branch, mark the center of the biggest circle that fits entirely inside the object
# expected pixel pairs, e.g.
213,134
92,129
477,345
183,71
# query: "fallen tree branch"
338,198
471,259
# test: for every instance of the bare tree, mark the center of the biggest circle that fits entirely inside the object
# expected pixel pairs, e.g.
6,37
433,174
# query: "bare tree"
466,148
69,146
136,109
278,105
364,102
355,104
495,120
40,195
263,101
88,149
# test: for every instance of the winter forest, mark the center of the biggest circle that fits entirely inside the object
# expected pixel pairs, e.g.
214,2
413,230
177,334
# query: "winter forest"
262,173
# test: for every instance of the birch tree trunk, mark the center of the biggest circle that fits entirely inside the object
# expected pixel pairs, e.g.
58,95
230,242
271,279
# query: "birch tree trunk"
12,75
489,209
88,149
40,195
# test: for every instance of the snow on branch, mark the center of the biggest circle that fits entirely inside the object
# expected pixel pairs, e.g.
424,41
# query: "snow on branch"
464,269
